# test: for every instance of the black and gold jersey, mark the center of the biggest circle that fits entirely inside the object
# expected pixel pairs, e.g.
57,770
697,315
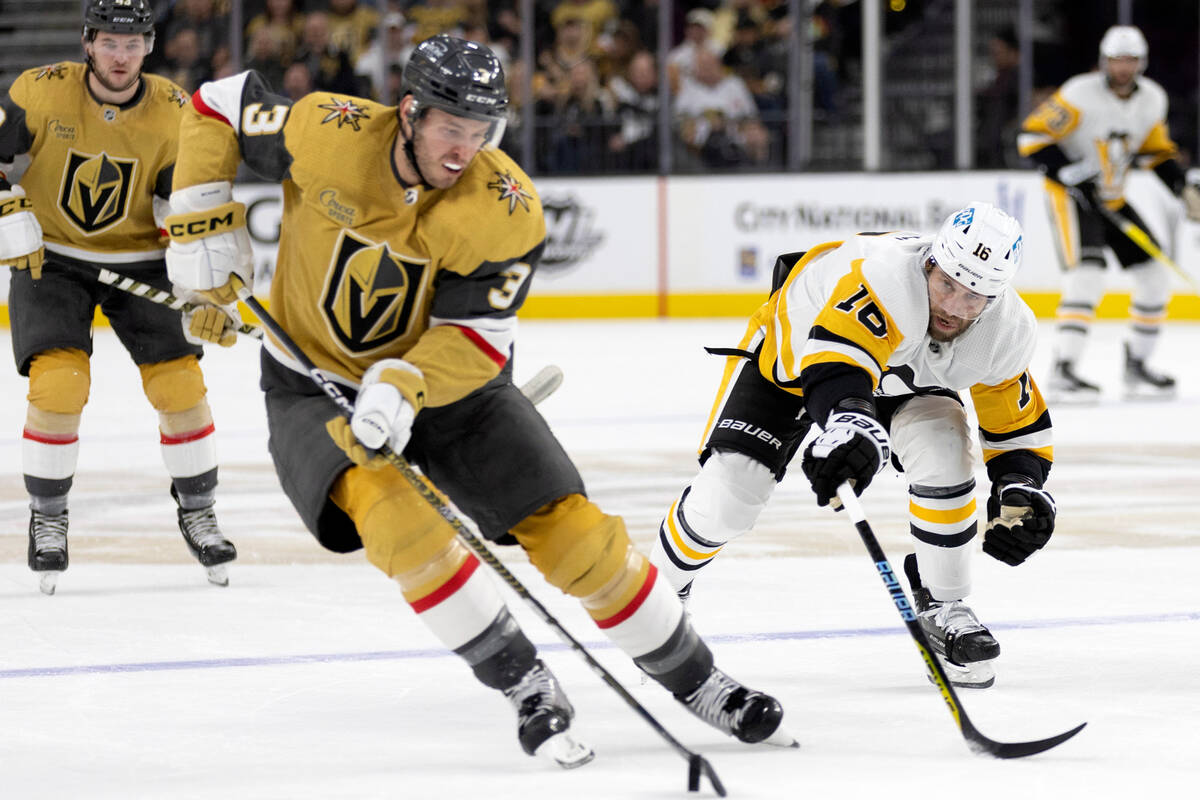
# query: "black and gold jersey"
862,307
95,168
370,268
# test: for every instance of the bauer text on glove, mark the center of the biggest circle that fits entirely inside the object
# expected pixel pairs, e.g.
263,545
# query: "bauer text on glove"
853,447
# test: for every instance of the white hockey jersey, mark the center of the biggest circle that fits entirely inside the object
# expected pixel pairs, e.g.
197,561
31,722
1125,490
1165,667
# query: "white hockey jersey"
865,303
1091,124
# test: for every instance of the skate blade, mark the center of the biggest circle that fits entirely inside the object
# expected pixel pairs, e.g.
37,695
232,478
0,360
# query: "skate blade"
1073,398
976,675
218,575
567,751
781,738
1151,395
49,581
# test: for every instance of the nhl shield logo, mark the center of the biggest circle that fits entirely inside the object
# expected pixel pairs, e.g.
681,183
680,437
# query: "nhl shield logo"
95,190
371,294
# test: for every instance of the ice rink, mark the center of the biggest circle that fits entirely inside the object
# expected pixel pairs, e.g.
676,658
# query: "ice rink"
309,677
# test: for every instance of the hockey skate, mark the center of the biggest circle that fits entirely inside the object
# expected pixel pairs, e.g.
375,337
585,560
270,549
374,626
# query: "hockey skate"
1067,387
208,545
1141,382
48,547
964,647
544,718
747,715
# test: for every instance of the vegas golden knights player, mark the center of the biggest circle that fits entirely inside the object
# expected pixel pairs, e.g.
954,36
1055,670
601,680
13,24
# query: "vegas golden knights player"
408,243
872,339
1086,138
101,138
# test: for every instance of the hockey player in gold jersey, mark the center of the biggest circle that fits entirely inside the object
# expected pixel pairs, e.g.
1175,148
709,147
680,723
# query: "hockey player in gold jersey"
871,340
407,244
1085,138
101,138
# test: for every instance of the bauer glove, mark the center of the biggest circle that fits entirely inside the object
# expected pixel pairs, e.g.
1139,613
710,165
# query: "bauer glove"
1020,519
853,447
20,233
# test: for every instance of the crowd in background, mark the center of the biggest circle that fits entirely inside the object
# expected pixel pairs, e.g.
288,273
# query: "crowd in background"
595,89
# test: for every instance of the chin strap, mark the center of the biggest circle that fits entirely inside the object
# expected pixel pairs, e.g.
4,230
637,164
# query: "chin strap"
410,152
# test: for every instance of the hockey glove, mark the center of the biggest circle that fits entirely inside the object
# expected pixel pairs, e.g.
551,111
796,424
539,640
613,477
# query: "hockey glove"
20,233
392,393
1191,201
209,242
1020,519
853,447
212,325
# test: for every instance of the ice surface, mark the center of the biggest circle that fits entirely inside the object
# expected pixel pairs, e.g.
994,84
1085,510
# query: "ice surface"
309,677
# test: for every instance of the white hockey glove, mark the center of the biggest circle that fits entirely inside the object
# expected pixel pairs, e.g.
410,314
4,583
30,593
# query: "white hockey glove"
1191,201
209,324
1021,519
392,393
209,242
20,233
1078,172
853,447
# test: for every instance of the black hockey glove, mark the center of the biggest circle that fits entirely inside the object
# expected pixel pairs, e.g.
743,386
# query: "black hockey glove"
853,447
1020,519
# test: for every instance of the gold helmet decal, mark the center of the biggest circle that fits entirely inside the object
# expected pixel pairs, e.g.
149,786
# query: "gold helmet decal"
95,190
372,294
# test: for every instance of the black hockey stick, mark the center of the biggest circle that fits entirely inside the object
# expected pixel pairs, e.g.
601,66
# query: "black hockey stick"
697,764
155,295
975,740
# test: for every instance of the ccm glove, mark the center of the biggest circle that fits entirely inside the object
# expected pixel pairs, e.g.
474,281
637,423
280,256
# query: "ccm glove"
208,324
853,447
1020,519
209,242
392,393
20,233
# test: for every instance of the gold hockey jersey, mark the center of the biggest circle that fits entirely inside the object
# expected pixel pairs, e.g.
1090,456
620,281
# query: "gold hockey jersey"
1091,124
864,303
369,268
95,167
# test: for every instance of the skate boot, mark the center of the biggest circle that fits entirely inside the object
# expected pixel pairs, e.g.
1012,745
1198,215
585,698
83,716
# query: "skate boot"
964,647
1067,387
1142,382
204,539
747,715
48,547
544,718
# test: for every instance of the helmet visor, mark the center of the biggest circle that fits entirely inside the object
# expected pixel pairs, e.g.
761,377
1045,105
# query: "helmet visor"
951,297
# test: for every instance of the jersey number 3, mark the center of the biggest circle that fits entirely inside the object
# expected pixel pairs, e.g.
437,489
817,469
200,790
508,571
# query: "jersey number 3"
867,313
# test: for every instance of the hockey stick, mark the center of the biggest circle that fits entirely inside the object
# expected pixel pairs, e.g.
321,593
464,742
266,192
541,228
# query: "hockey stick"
543,384
155,295
697,764
975,740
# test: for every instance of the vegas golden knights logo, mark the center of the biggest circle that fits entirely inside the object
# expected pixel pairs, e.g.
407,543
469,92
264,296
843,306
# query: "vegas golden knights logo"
372,294
95,190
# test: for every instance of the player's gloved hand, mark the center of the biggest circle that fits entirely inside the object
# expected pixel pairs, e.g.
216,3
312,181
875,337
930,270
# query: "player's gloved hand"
338,429
1020,519
207,324
20,233
1191,201
392,393
209,242
853,447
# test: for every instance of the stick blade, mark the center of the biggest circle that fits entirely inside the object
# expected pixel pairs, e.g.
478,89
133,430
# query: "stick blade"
985,746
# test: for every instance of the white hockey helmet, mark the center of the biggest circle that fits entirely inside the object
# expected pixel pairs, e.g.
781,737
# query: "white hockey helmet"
980,247
1124,40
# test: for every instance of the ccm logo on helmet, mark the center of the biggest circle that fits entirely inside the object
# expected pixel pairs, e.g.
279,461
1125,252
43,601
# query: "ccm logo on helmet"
479,98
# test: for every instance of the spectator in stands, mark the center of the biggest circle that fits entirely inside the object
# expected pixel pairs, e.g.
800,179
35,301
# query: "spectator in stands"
210,25
634,147
681,60
351,26
283,24
185,63
580,119
996,135
388,49
748,58
616,48
297,80
595,14
431,17
569,48
330,66
263,56
718,121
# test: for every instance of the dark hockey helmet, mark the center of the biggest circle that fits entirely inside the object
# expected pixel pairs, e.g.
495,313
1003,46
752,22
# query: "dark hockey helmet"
460,77
118,16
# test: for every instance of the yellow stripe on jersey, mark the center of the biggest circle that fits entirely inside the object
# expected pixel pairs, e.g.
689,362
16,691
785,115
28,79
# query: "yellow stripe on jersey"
1158,145
939,516
1046,453
1062,219
1016,411
778,344
758,321
1049,122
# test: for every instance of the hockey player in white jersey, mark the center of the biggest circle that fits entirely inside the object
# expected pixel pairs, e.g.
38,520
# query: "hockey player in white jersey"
1085,138
871,339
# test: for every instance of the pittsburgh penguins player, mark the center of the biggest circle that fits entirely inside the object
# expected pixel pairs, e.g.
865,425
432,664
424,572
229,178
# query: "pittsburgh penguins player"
1085,138
871,340
407,245
101,138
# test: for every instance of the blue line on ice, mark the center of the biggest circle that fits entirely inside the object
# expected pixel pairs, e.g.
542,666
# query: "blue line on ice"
400,655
